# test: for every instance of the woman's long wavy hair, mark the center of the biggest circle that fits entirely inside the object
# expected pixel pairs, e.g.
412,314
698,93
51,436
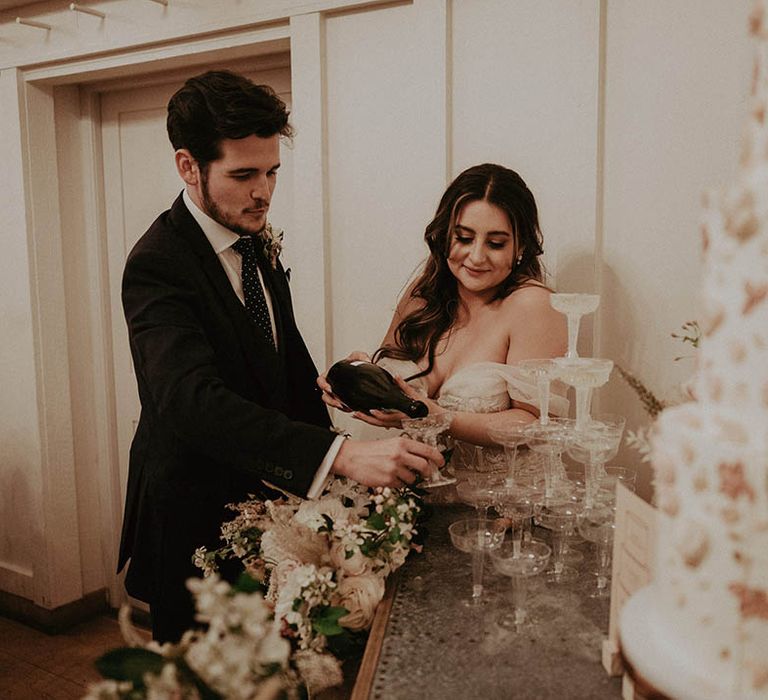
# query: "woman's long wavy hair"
418,334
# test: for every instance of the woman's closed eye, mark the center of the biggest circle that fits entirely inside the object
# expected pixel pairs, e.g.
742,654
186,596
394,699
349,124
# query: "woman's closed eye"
461,237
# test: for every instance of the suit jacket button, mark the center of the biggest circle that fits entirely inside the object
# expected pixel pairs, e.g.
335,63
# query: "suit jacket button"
278,471
288,474
269,466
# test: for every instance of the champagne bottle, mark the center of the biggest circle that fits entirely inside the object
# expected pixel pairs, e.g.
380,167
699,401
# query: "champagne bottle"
363,386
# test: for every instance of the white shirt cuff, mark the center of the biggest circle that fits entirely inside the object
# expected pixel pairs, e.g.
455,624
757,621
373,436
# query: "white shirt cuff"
321,476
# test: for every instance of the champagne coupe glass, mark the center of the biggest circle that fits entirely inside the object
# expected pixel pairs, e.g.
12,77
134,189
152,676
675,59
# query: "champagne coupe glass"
614,475
571,492
432,430
550,440
480,463
542,372
478,491
612,425
597,525
476,537
510,436
516,506
530,560
560,518
593,446
584,374
574,306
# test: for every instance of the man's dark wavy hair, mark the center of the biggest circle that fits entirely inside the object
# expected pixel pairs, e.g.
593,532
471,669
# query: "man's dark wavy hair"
418,334
223,105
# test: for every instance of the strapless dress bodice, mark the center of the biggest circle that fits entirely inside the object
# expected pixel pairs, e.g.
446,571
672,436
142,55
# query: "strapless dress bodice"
480,387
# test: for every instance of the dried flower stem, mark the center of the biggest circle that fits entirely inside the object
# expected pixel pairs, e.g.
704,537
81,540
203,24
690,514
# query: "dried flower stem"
691,333
651,404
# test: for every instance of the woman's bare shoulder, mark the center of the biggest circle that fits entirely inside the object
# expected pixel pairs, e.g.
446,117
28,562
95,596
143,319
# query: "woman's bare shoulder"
530,298
545,330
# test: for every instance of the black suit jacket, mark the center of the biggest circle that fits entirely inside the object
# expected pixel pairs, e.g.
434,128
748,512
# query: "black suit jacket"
221,409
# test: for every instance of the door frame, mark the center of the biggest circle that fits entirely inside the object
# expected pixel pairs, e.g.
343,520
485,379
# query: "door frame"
59,110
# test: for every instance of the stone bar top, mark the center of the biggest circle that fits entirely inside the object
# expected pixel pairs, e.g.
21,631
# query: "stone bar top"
434,646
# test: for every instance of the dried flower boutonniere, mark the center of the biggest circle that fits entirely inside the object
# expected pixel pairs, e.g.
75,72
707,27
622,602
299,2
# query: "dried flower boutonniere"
272,239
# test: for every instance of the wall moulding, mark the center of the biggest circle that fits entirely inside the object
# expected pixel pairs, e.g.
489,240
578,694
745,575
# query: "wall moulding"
132,23
57,620
226,46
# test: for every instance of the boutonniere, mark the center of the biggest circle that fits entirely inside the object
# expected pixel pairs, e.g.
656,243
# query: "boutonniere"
272,240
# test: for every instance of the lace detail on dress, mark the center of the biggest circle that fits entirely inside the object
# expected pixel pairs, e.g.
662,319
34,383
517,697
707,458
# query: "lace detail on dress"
484,387
490,387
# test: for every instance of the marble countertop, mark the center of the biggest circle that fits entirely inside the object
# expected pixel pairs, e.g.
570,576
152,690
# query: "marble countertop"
435,646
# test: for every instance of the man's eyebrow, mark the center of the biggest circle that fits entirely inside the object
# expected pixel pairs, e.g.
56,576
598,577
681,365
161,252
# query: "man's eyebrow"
244,171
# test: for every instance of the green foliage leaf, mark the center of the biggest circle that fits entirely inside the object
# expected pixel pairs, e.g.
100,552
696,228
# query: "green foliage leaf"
394,535
325,620
376,521
247,584
130,664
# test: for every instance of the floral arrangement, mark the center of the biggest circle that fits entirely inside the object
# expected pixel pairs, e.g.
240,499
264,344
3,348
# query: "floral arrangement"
314,572
272,240
324,562
240,655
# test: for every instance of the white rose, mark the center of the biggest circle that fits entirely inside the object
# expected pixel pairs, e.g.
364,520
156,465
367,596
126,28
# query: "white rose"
272,550
310,513
360,595
354,565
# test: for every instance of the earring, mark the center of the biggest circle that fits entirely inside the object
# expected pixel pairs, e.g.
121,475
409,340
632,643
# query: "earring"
519,259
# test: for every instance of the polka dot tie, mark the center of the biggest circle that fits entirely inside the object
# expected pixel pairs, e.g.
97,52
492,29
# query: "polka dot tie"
255,301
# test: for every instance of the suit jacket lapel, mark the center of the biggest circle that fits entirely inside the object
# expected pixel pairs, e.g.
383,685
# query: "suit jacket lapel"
269,368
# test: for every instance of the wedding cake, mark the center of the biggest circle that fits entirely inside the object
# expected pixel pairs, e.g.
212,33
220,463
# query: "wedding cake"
701,629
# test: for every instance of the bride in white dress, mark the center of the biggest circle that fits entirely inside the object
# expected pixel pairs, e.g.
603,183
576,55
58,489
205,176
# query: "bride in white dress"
478,307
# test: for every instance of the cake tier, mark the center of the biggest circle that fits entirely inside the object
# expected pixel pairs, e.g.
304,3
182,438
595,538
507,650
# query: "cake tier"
733,357
655,653
711,580
701,629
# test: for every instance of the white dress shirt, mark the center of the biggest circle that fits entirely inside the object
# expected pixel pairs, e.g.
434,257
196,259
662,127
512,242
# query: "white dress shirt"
221,240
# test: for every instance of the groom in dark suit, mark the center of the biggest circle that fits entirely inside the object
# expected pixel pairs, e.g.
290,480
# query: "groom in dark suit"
227,387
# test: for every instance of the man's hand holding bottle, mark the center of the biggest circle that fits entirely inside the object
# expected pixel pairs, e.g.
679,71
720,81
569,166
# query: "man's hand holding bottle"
363,387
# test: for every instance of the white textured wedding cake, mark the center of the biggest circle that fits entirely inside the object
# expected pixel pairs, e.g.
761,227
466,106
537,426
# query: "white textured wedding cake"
701,629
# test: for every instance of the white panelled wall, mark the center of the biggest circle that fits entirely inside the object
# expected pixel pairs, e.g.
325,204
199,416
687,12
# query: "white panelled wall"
618,115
